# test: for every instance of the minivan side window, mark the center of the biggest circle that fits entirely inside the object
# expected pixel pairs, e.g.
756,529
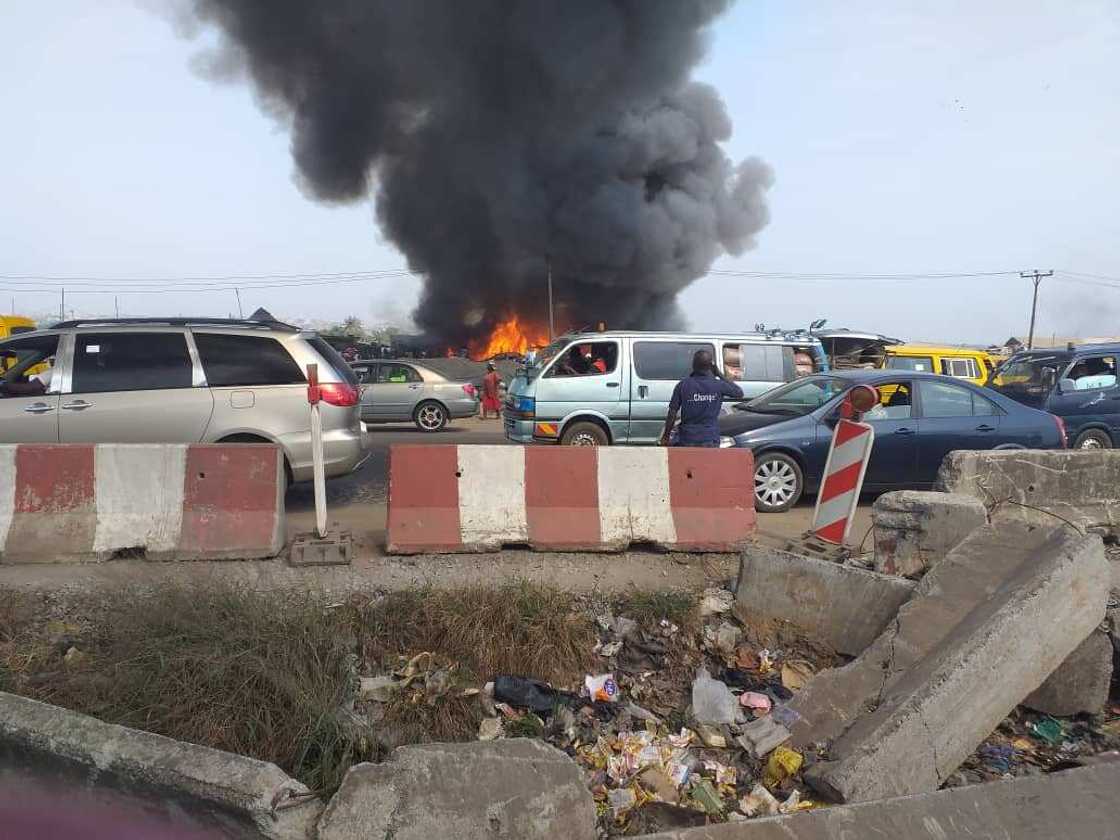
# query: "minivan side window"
231,360
921,364
131,361
960,368
754,362
588,358
1092,372
666,360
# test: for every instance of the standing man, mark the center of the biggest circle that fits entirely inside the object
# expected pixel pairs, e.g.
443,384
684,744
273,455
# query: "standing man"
697,399
490,399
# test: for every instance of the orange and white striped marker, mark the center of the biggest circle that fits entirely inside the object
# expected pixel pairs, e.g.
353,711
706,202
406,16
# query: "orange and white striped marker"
843,479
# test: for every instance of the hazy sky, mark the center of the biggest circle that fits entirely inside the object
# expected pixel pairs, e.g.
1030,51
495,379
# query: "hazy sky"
906,137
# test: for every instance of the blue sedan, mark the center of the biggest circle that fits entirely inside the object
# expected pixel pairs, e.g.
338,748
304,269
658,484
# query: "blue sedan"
918,420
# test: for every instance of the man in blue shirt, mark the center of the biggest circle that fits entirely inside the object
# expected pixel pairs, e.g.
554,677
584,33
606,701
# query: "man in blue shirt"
698,399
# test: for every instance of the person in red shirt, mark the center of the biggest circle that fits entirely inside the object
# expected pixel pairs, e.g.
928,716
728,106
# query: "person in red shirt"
490,399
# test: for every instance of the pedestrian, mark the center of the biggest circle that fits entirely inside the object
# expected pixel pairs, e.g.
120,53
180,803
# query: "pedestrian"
697,399
491,401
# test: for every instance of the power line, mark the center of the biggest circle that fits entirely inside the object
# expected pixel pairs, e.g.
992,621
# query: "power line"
201,278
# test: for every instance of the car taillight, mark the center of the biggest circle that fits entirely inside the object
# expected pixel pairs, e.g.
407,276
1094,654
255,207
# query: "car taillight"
339,393
1061,431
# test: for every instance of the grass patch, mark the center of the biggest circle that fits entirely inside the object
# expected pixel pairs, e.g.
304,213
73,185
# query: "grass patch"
649,608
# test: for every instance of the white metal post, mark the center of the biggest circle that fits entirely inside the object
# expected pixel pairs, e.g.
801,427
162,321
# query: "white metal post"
320,477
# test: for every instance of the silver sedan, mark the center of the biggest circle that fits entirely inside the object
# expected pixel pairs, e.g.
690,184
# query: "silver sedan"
395,392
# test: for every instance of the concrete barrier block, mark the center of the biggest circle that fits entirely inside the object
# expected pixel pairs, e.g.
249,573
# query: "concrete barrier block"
86,502
1080,684
447,499
192,787
1040,486
845,607
520,788
1078,804
914,529
949,672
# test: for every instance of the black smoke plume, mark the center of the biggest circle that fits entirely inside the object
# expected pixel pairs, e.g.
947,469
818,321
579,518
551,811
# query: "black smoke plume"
497,135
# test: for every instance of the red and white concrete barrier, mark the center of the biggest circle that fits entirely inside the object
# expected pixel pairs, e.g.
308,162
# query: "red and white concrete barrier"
843,479
76,502
479,498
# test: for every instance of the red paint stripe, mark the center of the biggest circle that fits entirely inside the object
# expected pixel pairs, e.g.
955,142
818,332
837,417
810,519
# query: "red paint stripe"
834,531
423,499
846,430
54,478
230,498
562,497
711,494
841,482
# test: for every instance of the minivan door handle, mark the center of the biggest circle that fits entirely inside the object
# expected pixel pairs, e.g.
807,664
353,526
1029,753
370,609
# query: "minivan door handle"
643,391
612,384
38,408
77,405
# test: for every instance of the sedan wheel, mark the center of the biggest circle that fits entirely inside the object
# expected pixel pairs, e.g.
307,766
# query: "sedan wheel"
431,417
777,482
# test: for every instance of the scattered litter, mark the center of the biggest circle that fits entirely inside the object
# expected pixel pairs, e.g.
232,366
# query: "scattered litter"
601,688
704,794
636,711
489,729
784,715
746,659
711,737
524,693
765,663
609,649
379,689
74,657
621,800
795,673
761,737
782,764
715,601
759,803
661,785
996,757
795,803
727,638
712,700
758,703
723,774
1049,730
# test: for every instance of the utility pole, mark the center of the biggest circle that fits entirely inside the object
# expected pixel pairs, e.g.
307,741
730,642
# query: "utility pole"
116,306
1037,276
240,313
62,306
551,318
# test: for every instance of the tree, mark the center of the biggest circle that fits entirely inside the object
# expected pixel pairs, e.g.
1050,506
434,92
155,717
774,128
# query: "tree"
352,327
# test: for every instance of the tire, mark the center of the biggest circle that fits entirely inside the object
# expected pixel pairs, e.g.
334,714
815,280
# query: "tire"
778,482
585,434
1093,439
430,416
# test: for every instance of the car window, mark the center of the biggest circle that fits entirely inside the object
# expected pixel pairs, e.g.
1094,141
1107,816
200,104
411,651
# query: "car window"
983,407
754,362
895,402
922,364
960,368
396,374
131,361
1093,372
589,358
335,359
366,374
27,365
666,360
231,360
799,397
943,399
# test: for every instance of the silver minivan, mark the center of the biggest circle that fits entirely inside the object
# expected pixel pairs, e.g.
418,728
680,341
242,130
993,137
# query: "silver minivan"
180,381
599,388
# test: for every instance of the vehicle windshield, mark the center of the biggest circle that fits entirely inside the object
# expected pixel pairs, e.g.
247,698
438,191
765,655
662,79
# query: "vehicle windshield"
1028,378
797,398
539,360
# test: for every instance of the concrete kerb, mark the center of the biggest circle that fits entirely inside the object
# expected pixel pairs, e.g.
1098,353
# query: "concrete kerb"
1078,804
188,785
843,606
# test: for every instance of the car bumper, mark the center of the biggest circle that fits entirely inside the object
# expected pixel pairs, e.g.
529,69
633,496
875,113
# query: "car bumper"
462,408
343,453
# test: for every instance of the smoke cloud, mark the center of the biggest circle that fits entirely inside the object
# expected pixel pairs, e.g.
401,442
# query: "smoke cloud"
497,135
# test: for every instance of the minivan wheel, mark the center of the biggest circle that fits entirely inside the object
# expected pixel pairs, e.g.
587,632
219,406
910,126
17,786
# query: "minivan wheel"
584,434
778,482
1093,439
430,417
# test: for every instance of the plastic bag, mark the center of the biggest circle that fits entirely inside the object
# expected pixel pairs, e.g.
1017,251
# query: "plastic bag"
524,693
712,701
601,688
782,764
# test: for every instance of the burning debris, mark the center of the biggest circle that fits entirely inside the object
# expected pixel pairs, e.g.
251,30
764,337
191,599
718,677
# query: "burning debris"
499,138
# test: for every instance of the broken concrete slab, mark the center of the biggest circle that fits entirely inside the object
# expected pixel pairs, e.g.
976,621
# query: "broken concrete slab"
1040,486
1081,682
1079,804
997,617
914,529
193,788
761,737
519,787
842,606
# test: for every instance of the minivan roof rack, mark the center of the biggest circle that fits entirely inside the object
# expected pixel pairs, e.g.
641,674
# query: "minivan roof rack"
175,322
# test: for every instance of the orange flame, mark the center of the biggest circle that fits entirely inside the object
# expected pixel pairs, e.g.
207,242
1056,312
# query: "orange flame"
509,336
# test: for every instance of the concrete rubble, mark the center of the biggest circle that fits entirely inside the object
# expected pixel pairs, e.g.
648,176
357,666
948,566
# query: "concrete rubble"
1080,684
519,788
914,529
985,628
842,606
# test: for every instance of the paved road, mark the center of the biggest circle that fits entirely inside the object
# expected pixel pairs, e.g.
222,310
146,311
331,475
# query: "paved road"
357,502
